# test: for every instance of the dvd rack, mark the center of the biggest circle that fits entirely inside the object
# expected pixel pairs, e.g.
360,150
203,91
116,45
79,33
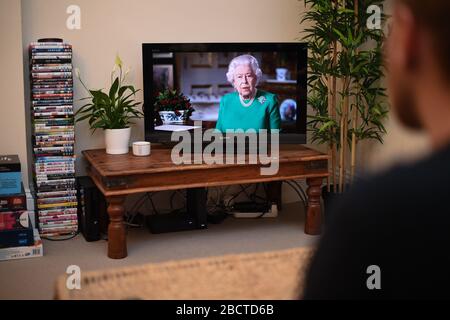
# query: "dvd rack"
53,137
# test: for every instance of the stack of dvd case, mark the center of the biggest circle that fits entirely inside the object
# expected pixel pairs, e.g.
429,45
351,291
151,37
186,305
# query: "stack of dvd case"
53,137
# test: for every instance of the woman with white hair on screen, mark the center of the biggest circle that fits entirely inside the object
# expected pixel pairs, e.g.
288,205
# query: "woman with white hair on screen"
247,107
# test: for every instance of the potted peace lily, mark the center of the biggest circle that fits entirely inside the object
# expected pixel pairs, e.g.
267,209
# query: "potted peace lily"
113,111
172,106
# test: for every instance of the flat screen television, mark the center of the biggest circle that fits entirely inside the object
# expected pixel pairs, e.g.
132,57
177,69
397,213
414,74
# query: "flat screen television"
198,70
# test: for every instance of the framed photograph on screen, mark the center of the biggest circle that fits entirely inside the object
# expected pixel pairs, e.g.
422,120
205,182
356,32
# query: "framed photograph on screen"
162,77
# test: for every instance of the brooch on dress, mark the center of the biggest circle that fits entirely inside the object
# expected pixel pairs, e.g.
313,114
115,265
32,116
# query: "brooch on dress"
262,99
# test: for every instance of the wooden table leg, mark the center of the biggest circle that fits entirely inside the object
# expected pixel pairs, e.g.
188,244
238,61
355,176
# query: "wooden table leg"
117,241
313,224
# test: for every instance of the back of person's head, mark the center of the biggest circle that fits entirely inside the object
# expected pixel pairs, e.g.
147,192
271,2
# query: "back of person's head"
434,17
418,54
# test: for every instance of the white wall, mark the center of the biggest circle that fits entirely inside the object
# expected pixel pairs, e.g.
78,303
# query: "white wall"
117,26
12,110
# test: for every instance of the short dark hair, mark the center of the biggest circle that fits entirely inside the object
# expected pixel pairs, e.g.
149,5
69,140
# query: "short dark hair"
434,16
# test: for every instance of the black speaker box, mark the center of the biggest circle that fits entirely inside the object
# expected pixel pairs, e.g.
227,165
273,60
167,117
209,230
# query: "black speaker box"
196,206
170,222
194,218
92,210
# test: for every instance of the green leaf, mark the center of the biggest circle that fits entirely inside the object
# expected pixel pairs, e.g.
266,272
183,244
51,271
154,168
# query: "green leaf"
113,90
83,118
123,89
326,126
341,36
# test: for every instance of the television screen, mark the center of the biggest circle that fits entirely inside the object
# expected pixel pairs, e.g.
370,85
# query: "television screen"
226,86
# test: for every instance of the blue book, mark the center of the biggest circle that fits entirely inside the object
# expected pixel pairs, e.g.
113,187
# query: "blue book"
10,175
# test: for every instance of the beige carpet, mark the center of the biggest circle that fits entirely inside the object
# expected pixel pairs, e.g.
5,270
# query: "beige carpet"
35,278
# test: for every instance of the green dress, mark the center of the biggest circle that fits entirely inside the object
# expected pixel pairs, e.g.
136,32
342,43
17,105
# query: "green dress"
263,113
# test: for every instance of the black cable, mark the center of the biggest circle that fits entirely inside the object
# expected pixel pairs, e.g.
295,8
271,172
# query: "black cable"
261,215
236,195
140,202
245,191
133,211
216,207
301,190
172,196
302,197
211,209
252,196
298,190
171,199
152,204
265,189
293,186
264,200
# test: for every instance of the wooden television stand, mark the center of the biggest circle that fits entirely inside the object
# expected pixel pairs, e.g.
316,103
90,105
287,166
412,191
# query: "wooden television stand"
120,175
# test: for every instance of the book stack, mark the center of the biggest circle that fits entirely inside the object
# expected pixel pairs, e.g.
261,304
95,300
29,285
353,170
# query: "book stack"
53,137
18,239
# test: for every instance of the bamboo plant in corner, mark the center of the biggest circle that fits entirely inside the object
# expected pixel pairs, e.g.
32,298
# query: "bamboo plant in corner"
344,84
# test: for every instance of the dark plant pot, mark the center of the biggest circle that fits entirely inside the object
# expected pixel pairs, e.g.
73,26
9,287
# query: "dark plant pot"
329,198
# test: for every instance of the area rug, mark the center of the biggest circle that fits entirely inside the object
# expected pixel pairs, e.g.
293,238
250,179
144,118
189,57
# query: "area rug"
274,275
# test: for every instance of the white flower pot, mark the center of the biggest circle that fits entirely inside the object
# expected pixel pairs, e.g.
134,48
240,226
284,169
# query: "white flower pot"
117,141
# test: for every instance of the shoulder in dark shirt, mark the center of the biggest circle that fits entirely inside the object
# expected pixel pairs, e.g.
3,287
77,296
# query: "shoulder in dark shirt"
398,221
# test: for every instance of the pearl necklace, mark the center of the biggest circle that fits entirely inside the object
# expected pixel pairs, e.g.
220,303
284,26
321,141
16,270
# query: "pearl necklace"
244,104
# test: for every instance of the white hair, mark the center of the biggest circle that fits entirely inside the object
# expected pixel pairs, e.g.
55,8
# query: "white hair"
244,59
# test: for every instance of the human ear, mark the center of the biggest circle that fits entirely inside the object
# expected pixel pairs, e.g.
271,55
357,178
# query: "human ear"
408,38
